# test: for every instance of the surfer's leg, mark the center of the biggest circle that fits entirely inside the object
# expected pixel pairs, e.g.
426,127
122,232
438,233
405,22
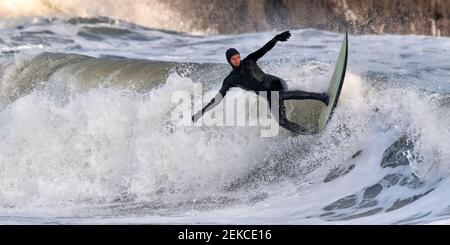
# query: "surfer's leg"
285,123
282,119
303,95
280,86
291,126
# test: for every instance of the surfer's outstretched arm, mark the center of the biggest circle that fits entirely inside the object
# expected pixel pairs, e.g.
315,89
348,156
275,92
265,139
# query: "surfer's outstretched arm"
214,101
268,46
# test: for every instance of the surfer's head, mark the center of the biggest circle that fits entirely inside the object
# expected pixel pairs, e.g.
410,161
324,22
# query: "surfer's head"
233,57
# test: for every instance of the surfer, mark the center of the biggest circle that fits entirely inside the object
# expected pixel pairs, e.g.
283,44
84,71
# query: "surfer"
247,75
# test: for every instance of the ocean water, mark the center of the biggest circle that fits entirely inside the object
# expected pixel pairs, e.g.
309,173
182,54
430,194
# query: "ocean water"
86,135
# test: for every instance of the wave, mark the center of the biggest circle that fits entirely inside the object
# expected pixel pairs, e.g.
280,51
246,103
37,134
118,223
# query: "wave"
86,130
92,136
23,73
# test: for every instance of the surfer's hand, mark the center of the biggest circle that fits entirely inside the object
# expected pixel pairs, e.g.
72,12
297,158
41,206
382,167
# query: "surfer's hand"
282,37
195,117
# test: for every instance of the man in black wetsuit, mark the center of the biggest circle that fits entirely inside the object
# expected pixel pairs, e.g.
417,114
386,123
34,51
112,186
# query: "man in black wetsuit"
247,75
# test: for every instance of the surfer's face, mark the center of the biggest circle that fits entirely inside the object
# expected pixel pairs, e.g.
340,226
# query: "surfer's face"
235,60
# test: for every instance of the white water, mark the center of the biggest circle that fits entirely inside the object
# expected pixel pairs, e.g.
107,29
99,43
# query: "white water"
107,154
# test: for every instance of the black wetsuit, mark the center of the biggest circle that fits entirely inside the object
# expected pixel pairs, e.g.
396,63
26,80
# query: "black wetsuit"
249,76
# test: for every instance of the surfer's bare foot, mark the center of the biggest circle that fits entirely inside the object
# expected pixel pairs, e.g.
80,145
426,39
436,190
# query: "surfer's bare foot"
325,98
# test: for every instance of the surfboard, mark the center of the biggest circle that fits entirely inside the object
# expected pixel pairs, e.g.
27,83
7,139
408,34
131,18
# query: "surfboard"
314,115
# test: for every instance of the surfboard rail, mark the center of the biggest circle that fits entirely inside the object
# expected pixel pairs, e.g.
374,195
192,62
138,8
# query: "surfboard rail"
335,87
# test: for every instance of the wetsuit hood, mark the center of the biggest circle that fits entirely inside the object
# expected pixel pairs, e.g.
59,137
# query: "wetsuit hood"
230,52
